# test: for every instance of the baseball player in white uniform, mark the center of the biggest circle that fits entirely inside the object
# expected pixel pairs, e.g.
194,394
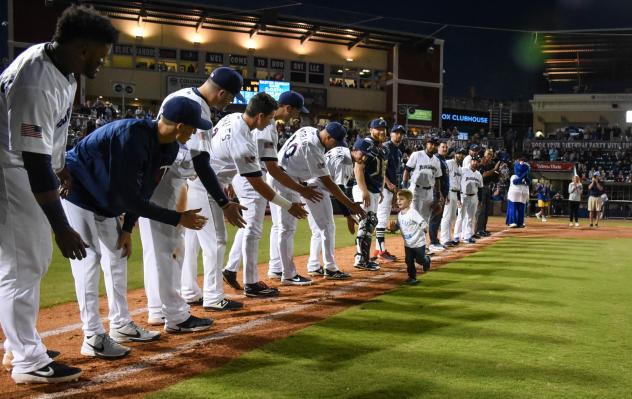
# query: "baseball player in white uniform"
36,95
391,185
113,173
453,202
426,171
339,162
471,181
233,151
163,243
303,158
246,242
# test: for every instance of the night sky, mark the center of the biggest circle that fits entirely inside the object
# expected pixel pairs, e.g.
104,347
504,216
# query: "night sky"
499,65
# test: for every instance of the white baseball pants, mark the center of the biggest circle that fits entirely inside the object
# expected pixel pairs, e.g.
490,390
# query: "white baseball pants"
384,208
162,256
286,225
422,202
101,235
470,202
449,214
212,239
246,242
321,222
25,254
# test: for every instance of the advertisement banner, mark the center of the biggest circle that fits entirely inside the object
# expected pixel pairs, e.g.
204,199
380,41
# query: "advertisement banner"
552,166
175,83
581,145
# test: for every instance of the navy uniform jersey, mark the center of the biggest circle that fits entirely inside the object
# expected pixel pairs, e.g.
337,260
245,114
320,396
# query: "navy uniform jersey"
393,162
374,166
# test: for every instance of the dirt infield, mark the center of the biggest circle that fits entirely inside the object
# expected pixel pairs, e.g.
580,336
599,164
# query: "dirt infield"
156,365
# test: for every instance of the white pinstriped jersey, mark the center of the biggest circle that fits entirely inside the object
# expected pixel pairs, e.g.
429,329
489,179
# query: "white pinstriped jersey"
340,165
35,107
233,149
303,155
425,169
454,170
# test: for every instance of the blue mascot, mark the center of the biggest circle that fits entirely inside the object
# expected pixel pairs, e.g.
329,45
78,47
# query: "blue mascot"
518,194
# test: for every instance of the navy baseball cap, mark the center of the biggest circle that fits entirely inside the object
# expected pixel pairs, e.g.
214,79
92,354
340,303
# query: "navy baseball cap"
230,80
474,147
378,124
184,110
362,145
338,132
293,99
433,140
398,128
462,150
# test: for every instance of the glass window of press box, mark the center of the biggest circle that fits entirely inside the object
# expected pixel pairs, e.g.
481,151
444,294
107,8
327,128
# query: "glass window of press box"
167,60
188,61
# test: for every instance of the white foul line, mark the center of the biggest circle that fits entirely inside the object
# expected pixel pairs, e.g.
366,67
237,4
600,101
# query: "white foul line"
151,361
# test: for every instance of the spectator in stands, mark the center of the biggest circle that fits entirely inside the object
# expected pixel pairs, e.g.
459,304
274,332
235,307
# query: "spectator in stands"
553,154
537,154
575,189
595,189
543,192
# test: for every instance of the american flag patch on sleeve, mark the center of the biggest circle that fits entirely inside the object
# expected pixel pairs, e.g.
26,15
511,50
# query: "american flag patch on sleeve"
34,131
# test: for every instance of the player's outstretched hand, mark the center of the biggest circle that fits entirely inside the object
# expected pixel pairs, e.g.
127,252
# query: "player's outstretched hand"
351,224
297,210
70,243
191,220
310,194
357,210
125,241
233,215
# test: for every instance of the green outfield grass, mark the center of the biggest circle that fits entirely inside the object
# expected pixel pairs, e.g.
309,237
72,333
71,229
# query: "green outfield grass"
524,318
58,284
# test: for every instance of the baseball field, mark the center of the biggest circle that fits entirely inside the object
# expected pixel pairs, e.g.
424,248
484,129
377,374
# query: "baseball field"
541,312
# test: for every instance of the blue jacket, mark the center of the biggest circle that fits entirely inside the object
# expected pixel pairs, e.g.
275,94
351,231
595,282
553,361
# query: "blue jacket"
115,170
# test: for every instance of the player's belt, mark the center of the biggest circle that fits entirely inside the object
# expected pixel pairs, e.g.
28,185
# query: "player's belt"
425,188
469,195
455,191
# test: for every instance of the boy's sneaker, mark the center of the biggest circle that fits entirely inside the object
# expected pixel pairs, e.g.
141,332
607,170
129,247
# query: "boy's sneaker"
52,373
336,275
224,305
436,248
132,332
537,215
296,280
411,281
426,264
260,290
570,224
103,347
231,279
275,275
320,272
191,324
544,219
576,224
386,256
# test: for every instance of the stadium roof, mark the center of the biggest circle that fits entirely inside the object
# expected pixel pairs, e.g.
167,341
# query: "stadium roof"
302,23
591,61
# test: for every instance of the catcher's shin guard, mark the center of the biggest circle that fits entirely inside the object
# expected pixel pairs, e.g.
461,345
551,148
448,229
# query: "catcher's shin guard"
363,239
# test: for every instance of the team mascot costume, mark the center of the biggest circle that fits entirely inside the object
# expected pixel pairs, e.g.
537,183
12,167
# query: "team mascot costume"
518,194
